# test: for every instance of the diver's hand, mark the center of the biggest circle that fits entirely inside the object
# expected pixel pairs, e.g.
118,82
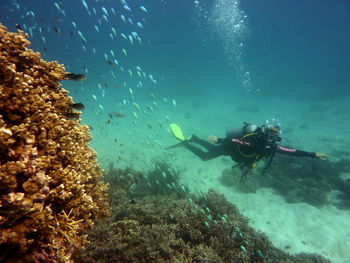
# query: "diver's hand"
213,139
321,156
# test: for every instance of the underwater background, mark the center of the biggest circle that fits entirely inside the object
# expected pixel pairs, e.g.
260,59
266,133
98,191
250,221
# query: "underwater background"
209,66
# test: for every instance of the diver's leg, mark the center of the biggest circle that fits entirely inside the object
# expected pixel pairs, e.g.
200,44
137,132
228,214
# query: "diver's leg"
209,146
214,152
245,170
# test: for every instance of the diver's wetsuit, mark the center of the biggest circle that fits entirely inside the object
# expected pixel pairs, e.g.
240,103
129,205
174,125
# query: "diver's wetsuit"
247,151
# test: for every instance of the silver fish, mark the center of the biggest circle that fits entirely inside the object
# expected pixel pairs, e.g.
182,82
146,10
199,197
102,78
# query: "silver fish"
126,7
143,9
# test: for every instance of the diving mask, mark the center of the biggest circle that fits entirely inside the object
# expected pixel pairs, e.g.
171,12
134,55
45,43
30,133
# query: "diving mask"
272,132
273,138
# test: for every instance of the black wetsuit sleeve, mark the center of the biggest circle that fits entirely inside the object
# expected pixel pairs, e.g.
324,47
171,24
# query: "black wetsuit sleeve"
294,152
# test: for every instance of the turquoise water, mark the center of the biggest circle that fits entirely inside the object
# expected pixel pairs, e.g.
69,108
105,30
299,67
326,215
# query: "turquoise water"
208,66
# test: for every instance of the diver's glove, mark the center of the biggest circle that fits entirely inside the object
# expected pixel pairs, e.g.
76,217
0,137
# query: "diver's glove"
213,139
321,156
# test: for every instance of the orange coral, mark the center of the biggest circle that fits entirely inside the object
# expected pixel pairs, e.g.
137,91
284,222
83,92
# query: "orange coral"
46,166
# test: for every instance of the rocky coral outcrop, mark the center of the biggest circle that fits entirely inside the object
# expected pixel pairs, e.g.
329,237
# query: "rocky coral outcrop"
50,188
176,226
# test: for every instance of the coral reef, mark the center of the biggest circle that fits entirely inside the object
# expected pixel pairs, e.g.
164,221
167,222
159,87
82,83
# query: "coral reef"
160,180
309,180
176,227
231,176
50,187
298,180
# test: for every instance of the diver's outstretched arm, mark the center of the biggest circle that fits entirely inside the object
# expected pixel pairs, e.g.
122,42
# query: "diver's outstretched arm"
299,153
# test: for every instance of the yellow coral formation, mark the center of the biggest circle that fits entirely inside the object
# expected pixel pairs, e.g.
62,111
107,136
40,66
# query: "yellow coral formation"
66,228
49,177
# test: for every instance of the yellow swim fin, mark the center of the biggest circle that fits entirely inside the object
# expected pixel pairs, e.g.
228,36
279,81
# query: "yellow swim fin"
177,132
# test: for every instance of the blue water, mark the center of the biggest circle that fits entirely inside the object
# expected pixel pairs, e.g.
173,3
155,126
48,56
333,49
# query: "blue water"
213,65
302,43
288,46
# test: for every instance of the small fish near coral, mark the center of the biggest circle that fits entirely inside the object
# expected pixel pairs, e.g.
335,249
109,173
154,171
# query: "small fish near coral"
78,106
110,63
18,26
116,114
72,115
75,77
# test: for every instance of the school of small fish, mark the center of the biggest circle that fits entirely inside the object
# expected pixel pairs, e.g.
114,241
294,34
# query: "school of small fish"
120,26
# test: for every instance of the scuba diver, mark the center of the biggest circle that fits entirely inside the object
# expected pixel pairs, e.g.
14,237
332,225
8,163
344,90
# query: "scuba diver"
246,146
